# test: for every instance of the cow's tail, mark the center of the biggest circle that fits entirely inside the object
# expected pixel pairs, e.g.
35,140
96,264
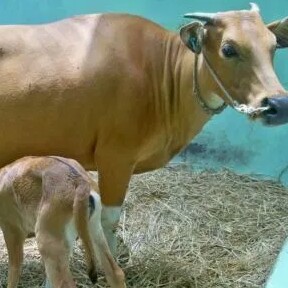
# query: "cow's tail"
81,216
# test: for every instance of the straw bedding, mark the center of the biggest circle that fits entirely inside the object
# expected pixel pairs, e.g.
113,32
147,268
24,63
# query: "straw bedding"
181,229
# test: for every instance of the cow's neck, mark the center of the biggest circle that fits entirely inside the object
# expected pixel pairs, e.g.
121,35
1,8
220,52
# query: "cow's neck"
187,116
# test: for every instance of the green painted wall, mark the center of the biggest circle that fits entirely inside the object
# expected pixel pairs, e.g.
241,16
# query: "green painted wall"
229,140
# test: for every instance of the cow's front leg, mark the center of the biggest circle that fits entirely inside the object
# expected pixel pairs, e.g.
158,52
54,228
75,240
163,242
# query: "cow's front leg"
114,176
110,219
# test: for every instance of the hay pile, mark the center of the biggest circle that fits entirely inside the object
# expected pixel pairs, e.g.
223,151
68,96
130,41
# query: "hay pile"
181,229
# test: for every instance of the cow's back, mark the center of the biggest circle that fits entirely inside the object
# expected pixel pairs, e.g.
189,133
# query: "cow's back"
63,84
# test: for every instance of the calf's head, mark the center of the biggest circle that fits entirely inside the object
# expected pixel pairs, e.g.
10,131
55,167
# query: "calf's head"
240,49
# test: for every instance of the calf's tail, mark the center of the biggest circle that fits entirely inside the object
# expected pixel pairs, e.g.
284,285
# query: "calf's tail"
81,215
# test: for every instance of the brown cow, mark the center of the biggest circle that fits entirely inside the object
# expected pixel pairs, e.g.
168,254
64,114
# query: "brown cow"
119,94
51,197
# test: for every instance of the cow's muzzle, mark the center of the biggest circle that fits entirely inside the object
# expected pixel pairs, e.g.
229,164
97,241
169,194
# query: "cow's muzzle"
277,114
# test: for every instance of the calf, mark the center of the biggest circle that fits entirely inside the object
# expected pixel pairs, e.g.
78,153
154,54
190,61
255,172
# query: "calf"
54,199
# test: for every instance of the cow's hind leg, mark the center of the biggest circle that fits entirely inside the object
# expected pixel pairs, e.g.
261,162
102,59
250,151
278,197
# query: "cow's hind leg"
114,175
14,239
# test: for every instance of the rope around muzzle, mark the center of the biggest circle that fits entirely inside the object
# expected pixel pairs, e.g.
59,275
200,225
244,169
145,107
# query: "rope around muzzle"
241,108
249,110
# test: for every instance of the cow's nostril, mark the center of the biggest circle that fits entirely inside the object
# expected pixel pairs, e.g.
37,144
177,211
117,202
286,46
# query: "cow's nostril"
266,102
277,113
271,111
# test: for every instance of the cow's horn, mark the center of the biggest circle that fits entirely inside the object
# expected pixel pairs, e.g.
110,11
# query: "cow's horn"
254,7
207,17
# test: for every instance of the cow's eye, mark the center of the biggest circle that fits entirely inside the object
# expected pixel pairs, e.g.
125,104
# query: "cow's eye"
229,51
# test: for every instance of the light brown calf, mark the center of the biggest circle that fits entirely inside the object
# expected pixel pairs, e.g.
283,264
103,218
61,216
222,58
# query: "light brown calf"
53,198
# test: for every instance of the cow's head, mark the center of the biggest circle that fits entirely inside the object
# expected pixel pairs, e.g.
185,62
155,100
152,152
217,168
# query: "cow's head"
240,49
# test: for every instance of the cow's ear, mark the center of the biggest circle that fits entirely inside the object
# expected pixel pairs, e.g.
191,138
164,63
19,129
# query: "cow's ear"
192,35
280,29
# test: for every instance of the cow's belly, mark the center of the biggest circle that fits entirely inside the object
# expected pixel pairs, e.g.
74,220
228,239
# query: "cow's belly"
11,151
63,129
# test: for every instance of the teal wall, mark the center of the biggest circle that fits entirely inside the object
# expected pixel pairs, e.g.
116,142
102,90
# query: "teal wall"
229,140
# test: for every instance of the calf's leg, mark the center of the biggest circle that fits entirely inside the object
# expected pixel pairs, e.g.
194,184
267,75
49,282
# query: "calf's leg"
54,248
14,239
